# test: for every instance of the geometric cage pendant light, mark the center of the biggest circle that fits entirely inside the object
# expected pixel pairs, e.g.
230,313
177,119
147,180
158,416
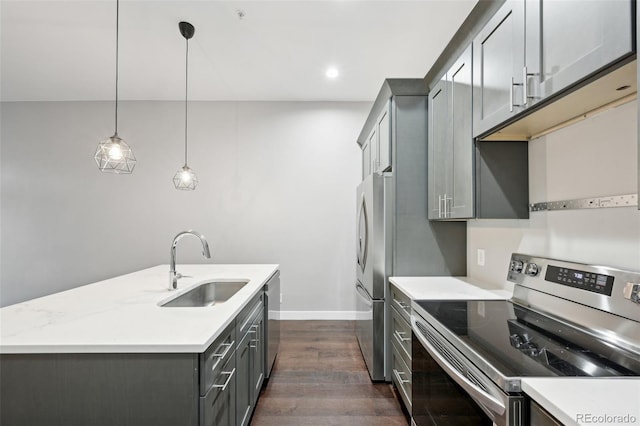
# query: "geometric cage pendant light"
114,155
185,178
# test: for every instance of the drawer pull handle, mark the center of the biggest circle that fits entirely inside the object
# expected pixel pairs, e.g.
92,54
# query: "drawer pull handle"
400,336
223,354
226,383
399,378
402,305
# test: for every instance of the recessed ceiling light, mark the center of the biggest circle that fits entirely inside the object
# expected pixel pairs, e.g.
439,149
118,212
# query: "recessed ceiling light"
332,72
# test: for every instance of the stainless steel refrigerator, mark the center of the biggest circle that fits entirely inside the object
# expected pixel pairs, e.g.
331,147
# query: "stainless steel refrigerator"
371,264
394,236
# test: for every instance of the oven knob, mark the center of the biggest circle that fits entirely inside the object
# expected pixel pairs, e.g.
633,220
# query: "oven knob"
516,266
531,269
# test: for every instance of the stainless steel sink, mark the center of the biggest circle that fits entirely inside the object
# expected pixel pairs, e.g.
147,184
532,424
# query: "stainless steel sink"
206,294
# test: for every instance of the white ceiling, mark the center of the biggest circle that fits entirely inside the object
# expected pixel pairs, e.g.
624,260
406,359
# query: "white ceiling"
65,50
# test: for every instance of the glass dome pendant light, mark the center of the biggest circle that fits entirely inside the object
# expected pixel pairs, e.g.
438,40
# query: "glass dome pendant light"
185,178
114,155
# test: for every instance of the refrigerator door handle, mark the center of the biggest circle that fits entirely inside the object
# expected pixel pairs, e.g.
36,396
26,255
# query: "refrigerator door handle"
363,228
364,295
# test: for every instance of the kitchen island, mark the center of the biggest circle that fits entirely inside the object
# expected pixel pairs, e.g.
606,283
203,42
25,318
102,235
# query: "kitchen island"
107,353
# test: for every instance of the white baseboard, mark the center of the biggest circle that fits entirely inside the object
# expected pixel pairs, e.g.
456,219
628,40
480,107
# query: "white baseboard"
323,315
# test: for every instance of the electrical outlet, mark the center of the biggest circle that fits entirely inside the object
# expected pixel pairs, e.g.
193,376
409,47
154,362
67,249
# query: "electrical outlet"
480,257
280,297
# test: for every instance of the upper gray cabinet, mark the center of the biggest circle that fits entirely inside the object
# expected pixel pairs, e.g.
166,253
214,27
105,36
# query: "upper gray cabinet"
384,126
451,143
531,50
566,42
366,160
383,158
376,150
499,51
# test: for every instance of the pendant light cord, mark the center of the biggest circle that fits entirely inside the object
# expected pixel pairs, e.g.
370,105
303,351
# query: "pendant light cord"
186,91
117,33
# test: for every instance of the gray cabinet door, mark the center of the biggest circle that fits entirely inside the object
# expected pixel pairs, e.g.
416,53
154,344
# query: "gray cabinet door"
384,139
439,146
366,160
567,41
451,143
257,357
459,193
498,66
243,381
218,407
374,150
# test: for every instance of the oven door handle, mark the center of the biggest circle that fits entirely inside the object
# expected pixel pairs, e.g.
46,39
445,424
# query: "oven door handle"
490,402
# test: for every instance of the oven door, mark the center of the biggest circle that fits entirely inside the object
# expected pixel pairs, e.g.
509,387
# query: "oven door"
449,390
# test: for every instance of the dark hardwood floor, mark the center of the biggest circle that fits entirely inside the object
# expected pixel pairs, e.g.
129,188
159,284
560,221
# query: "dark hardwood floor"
320,378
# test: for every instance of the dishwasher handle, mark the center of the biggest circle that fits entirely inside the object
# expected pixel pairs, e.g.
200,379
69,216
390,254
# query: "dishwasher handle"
489,401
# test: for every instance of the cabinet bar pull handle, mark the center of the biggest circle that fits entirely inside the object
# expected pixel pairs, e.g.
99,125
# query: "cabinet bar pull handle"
444,201
399,377
402,305
226,383
223,354
511,104
399,336
511,96
525,95
228,347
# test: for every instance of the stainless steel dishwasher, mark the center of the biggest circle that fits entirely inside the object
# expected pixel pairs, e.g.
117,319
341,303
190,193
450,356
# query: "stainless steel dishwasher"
272,303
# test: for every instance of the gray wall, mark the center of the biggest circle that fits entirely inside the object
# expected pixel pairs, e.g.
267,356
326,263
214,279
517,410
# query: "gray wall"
595,157
277,185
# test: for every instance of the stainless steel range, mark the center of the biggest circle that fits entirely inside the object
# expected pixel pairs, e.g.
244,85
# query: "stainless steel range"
564,319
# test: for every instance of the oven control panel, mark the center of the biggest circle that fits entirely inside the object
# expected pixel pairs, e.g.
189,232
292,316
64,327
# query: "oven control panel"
589,281
601,287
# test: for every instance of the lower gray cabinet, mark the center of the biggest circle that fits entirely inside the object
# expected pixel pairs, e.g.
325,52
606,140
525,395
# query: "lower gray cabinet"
133,389
218,380
244,385
401,346
249,359
218,407
257,356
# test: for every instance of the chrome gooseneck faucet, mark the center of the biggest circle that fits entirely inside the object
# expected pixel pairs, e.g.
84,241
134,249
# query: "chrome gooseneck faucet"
173,275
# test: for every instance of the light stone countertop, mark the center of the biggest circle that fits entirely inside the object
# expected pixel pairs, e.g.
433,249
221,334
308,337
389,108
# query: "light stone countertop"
449,288
122,314
587,401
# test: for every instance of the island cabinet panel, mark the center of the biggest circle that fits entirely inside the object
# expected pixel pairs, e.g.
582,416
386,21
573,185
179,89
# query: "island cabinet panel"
99,389
243,393
218,407
257,356
249,358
